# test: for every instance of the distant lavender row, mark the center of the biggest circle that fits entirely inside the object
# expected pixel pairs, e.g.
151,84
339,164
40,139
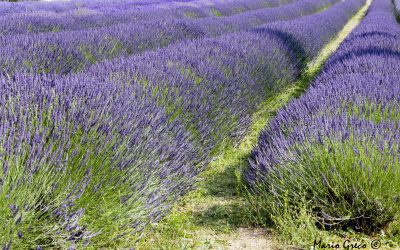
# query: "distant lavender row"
209,7
227,8
71,51
120,143
37,22
83,18
66,6
97,5
354,103
311,40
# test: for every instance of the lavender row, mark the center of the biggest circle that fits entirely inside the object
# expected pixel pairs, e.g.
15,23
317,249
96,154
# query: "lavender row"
84,18
68,6
350,117
311,40
98,5
71,51
76,153
42,22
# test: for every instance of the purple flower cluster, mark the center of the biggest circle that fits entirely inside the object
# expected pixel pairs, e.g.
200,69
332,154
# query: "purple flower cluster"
71,51
357,96
69,6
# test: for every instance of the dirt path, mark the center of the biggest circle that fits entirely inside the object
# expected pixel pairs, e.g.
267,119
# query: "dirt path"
245,238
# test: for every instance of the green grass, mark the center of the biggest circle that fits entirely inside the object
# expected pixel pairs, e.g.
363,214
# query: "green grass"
190,14
216,13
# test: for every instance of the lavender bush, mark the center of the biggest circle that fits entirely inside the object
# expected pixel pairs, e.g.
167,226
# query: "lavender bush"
78,154
337,147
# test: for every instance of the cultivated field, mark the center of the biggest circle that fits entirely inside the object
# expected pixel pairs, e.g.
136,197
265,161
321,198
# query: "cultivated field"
200,124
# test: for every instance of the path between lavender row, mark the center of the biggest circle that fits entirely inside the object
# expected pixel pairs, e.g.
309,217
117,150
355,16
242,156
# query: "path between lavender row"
217,215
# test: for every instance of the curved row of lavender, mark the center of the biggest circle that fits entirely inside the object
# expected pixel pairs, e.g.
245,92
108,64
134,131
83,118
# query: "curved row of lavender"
66,52
119,144
101,6
84,18
68,6
77,152
337,147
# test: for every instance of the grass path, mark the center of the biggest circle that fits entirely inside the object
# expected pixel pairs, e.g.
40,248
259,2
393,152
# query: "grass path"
217,215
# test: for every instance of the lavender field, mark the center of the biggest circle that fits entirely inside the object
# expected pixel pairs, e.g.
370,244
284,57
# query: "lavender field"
200,124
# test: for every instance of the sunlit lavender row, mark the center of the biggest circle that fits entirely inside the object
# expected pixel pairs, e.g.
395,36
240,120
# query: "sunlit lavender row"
336,149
